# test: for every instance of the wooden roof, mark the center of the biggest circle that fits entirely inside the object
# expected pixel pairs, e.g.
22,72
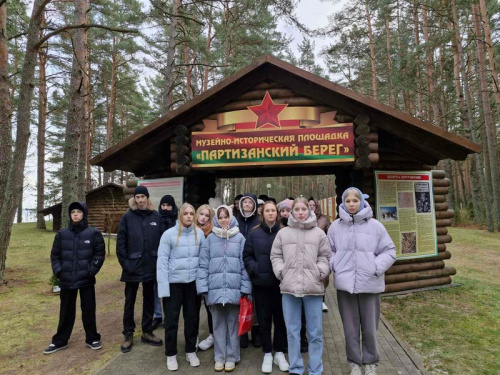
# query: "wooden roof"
147,151
57,207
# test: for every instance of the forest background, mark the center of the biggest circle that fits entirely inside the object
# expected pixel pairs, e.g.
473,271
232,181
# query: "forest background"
76,77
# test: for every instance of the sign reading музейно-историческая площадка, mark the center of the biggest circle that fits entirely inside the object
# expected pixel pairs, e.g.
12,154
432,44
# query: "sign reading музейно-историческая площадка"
273,134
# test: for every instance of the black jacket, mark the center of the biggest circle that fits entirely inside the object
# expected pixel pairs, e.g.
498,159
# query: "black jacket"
257,255
246,224
78,253
137,243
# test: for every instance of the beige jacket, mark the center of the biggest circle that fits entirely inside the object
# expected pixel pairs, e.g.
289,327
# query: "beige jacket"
300,256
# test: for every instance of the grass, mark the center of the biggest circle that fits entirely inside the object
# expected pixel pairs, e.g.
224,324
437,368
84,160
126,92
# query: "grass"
456,330
29,309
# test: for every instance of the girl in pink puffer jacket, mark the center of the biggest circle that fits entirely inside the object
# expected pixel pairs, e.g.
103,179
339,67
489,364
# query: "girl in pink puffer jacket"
361,253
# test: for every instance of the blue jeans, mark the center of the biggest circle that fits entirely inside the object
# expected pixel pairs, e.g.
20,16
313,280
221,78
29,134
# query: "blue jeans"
157,314
292,308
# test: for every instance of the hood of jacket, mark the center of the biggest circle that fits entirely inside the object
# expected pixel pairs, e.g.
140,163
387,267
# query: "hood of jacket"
364,214
81,225
308,223
82,206
240,204
133,204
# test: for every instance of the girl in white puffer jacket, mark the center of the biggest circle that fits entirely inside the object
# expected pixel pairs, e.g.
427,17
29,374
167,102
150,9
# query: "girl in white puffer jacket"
361,253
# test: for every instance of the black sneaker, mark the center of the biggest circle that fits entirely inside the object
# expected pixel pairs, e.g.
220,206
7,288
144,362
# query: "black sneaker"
53,348
96,345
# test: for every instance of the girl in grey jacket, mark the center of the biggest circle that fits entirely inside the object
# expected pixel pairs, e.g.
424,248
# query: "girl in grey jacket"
222,280
361,253
177,266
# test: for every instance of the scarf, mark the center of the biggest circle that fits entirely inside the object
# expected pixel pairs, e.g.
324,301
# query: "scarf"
169,217
226,233
206,228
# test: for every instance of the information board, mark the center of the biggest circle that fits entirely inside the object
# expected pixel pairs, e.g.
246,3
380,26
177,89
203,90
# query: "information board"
405,206
162,186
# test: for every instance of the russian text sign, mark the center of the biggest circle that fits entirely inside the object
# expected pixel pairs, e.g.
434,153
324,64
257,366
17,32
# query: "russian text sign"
405,206
328,144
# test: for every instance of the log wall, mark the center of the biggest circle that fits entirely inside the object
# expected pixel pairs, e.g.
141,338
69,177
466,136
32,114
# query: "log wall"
106,208
409,273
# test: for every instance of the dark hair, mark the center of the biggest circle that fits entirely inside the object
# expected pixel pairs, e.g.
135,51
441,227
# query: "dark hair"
311,199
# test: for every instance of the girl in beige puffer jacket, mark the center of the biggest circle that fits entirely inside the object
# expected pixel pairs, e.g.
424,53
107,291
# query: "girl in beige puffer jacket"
300,256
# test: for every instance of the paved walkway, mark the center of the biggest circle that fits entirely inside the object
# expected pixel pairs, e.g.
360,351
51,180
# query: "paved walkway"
395,356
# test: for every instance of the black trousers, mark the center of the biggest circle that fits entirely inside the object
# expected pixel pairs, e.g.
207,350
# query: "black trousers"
209,314
270,310
148,306
67,315
181,296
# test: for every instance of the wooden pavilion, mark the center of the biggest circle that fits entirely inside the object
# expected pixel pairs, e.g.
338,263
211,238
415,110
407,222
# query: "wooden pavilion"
349,135
106,205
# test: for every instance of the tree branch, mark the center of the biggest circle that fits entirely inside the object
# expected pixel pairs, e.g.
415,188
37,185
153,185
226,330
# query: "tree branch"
17,35
82,26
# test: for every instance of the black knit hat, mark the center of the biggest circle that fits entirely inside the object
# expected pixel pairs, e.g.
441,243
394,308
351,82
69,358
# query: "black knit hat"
168,199
141,190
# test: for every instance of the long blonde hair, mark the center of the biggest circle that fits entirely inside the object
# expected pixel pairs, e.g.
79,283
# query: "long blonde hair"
204,207
181,225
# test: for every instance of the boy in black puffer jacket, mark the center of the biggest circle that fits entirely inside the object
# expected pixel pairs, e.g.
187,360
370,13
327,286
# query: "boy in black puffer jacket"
137,244
77,256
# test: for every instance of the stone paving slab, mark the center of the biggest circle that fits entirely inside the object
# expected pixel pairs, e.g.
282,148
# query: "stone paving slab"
396,358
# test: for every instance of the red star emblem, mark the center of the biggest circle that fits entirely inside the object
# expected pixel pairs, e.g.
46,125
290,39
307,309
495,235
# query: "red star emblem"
267,112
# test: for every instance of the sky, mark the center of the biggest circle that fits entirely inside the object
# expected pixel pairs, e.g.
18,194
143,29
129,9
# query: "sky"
313,13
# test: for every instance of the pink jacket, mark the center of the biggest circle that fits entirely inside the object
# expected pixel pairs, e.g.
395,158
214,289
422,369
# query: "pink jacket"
300,256
361,252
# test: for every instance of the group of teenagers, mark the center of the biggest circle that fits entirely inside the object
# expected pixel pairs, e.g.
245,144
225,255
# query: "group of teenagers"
274,254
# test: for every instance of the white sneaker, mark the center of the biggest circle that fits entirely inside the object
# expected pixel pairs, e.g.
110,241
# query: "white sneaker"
207,343
193,359
172,364
267,363
370,369
325,307
229,366
355,369
280,361
219,366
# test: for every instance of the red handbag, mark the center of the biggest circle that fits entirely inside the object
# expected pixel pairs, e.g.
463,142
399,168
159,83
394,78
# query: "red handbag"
245,318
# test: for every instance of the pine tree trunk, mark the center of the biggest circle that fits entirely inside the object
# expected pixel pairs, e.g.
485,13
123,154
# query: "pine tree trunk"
76,115
207,51
372,52
83,151
111,108
494,182
169,74
491,52
89,104
429,65
5,106
20,209
420,110
392,95
465,79
11,189
42,121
